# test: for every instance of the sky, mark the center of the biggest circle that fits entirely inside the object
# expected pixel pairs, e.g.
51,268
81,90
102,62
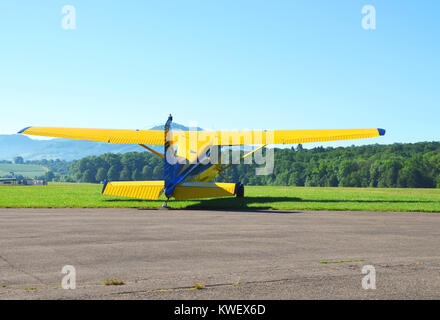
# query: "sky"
223,65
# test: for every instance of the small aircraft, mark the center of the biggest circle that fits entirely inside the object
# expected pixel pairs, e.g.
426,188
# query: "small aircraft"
191,158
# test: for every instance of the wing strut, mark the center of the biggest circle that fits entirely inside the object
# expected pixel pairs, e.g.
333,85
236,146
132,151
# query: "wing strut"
245,156
152,150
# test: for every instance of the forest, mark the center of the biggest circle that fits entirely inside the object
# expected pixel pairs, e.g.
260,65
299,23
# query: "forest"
386,166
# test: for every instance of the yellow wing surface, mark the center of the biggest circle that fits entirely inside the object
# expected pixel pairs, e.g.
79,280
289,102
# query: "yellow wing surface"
154,137
199,138
233,138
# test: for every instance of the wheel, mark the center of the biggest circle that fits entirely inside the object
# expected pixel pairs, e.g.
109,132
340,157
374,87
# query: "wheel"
240,191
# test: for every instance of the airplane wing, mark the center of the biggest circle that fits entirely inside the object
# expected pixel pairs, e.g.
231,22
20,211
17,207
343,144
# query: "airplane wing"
151,137
221,138
233,138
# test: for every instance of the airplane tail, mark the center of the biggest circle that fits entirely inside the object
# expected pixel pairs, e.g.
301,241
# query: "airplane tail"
172,185
152,190
171,165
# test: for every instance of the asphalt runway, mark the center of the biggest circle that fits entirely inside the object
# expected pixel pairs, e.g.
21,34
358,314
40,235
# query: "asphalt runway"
161,254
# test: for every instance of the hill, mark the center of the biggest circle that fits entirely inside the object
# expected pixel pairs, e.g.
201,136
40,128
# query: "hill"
25,170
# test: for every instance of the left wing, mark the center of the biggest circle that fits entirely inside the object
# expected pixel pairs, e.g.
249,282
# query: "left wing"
154,137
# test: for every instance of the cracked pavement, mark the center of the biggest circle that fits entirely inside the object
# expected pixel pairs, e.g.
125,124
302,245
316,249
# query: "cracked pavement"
161,254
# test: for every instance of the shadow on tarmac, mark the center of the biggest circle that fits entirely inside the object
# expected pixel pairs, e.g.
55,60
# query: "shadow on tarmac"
247,202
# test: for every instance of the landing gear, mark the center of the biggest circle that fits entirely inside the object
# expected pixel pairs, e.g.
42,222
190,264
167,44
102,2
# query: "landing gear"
165,205
240,191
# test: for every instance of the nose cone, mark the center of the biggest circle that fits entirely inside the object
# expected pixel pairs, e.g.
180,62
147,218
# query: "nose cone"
381,131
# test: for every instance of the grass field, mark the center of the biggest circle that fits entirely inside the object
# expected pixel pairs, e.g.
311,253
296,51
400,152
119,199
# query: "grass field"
58,195
26,170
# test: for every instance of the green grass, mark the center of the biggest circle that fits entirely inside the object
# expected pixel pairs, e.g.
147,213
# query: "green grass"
342,261
26,170
65,195
199,286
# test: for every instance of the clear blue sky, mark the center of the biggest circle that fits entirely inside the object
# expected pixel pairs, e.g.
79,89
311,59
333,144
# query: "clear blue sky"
229,64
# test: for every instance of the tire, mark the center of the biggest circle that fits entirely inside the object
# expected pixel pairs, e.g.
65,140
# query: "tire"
240,191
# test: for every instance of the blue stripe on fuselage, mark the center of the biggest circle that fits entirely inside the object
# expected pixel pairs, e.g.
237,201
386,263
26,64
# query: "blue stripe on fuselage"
192,171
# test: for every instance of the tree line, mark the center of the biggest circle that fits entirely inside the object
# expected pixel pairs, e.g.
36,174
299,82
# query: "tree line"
57,170
397,165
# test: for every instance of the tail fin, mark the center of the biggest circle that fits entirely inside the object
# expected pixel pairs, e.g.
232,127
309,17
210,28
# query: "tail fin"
171,166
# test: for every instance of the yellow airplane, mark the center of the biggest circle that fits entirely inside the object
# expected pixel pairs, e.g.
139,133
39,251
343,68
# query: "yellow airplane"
191,158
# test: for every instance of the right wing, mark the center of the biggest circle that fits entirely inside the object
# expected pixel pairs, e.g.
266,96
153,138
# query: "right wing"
234,138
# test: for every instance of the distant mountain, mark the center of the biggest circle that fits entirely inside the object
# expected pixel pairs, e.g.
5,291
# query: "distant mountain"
64,149
175,126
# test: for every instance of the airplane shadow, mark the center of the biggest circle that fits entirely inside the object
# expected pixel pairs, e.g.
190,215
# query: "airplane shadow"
247,202
264,203
222,203
242,203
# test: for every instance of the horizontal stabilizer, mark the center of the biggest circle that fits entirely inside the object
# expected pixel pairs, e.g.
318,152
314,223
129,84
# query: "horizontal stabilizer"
134,189
194,190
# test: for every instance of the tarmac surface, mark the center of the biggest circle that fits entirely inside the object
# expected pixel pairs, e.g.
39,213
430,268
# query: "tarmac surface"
162,254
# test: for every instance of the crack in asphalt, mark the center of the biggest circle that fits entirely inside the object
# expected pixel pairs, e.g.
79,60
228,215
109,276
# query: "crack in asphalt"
21,270
207,286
